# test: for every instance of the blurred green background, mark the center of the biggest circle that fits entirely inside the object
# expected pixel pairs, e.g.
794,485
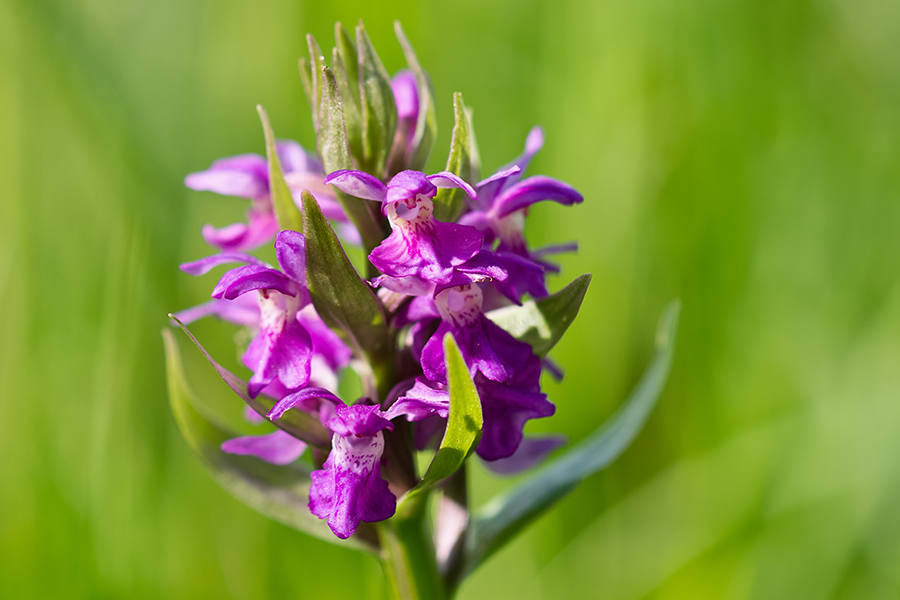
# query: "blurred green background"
741,155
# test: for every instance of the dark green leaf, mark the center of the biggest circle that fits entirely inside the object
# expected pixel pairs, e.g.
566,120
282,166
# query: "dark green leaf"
502,518
347,51
463,427
426,125
278,492
379,112
542,323
343,300
286,211
450,202
299,424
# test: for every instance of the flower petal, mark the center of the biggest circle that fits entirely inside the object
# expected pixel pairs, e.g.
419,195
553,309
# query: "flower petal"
290,249
358,184
446,179
534,189
303,398
245,176
253,277
278,448
205,265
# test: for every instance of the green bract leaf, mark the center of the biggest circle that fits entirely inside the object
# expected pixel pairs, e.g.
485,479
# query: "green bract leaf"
450,202
316,62
347,51
463,427
286,211
306,79
542,323
379,112
352,118
278,492
426,125
343,300
502,518
299,424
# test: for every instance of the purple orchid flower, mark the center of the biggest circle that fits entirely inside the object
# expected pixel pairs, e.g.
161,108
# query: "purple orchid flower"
486,348
500,210
406,95
277,448
422,255
282,350
247,176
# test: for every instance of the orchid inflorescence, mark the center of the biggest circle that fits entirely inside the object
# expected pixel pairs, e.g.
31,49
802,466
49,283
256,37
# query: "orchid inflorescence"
447,328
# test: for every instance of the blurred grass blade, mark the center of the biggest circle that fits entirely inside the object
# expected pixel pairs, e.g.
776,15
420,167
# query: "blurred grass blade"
286,211
343,300
426,124
505,516
463,431
278,492
450,202
299,424
379,110
543,322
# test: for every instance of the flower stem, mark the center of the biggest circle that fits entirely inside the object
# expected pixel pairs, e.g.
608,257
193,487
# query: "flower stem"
409,560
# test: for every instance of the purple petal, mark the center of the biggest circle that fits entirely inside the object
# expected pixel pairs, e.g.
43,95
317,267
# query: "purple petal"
552,368
236,237
283,355
488,189
406,94
446,179
253,277
245,176
534,189
243,311
305,398
290,249
350,489
295,158
360,420
358,184
205,265
278,448
251,416
525,276
408,184
326,343
421,402
531,452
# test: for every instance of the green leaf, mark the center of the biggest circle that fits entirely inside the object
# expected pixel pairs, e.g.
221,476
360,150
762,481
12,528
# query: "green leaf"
286,211
306,79
542,323
503,517
343,300
352,117
317,62
299,424
347,51
450,202
379,111
426,125
463,428
278,492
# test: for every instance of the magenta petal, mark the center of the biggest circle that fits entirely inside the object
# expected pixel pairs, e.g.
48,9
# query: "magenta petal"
290,249
423,400
446,179
205,265
243,311
534,189
360,420
307,398
406,94
245,176
278,448
408,184
326,342
531,452
283,355
295,158
253,277
358,184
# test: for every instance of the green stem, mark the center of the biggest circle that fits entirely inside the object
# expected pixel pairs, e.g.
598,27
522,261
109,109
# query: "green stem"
408,559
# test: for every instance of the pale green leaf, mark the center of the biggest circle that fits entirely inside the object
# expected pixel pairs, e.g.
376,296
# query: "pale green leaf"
450,202
286,211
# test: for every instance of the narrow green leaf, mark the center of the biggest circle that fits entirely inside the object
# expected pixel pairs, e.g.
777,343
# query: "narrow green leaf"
278,492
343,300
347,51
379,111
473,149
352,117
299,424
503,517
316,61
306,79
450,202
286,211
426,125
543,322
463,428
331,140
